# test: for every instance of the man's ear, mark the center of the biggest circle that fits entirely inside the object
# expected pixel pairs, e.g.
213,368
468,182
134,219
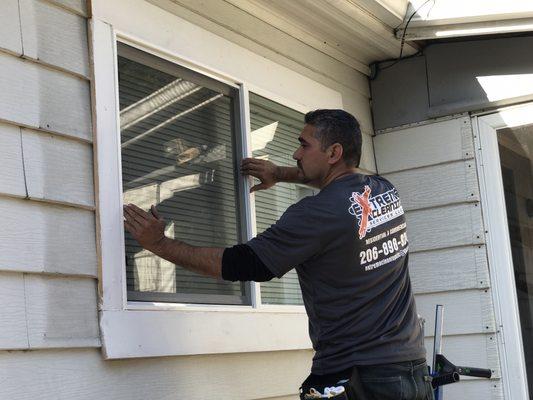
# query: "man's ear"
335,153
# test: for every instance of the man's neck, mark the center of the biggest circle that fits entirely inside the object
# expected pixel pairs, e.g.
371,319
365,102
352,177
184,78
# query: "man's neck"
336,174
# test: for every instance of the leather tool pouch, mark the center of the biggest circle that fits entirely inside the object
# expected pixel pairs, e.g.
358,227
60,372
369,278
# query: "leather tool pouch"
308,396
313,391
353,389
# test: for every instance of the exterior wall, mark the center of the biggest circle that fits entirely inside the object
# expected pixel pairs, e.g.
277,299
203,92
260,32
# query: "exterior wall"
48,263
433,166
81,374
421,105
451,78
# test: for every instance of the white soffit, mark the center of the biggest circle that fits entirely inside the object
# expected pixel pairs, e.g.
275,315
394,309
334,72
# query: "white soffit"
353,32
389,11
454,18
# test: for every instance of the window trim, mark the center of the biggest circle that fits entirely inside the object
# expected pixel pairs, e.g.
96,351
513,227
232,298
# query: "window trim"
509,334
255,327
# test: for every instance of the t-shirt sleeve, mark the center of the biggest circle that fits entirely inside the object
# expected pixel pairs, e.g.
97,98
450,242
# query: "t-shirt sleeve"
240,263
293,239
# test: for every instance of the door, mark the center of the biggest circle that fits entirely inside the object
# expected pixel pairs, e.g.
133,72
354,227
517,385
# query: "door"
505,151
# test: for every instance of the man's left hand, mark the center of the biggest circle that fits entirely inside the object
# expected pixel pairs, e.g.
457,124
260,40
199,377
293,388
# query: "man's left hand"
263,170
148,228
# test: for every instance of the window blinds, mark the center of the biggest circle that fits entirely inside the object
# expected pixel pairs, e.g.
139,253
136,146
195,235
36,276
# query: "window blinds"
177,143
275,130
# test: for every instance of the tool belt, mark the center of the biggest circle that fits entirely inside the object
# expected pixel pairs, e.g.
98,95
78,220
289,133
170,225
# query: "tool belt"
348,389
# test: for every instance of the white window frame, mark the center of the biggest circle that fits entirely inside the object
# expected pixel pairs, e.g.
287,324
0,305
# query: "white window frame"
149,329
509,334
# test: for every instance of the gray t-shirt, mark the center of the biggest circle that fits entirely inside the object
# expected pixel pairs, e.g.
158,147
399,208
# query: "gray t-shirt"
349,247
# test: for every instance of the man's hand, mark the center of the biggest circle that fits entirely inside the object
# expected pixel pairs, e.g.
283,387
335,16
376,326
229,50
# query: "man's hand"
147,228
266,171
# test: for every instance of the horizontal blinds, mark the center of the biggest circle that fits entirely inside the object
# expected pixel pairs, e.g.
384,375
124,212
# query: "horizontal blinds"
275,130
177,153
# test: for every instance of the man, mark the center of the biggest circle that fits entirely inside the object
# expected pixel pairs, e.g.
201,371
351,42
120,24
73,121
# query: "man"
349,246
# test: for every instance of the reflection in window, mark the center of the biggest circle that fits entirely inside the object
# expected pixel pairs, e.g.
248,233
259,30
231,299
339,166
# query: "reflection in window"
275,131
177,132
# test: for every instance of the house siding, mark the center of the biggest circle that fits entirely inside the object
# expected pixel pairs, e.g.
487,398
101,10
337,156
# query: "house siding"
432,164
82,375
48,262
416,102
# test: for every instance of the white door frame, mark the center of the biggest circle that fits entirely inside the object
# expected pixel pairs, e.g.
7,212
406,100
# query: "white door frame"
505,300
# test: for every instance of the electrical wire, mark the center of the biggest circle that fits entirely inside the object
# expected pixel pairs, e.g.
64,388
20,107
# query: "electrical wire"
402,43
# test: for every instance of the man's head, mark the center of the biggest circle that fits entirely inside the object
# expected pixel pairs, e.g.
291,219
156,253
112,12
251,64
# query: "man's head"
337,126
331,139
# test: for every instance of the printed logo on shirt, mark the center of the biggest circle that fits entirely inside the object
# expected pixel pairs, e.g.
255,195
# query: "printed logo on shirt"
373,211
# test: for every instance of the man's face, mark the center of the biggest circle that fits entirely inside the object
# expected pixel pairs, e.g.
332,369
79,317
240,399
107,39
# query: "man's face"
311,160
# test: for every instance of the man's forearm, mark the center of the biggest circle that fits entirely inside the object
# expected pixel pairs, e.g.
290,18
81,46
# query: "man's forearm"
201,260
290,174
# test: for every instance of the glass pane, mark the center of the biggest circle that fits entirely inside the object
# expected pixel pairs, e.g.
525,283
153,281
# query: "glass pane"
275,131
177,153
516,150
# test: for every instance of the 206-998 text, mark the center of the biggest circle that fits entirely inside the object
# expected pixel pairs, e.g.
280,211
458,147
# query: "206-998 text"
388,247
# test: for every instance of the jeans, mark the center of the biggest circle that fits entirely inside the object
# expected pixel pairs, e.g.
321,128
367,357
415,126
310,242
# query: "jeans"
396,381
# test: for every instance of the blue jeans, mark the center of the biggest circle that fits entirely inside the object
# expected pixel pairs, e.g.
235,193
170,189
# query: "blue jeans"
396,381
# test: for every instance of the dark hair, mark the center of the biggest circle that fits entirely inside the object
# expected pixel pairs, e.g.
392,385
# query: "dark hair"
337,126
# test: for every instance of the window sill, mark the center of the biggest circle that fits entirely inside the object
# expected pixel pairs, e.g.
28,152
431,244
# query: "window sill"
188,331
264,308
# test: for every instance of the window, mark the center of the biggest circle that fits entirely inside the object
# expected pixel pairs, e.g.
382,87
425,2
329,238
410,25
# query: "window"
177,143
183,135
180,139
274,131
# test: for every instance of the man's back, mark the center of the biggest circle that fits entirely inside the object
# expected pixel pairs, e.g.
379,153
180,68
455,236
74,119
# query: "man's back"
349,246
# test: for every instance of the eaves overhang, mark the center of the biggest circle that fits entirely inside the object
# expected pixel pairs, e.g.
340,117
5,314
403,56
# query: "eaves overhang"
434,19
354,32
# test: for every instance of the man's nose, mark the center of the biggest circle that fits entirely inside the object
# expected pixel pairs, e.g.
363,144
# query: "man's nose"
296,155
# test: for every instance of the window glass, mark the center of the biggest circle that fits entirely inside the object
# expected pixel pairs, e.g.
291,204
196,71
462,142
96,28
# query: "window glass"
177,144
275,130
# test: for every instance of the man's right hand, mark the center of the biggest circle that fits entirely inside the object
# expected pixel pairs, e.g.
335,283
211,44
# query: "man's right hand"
266,171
